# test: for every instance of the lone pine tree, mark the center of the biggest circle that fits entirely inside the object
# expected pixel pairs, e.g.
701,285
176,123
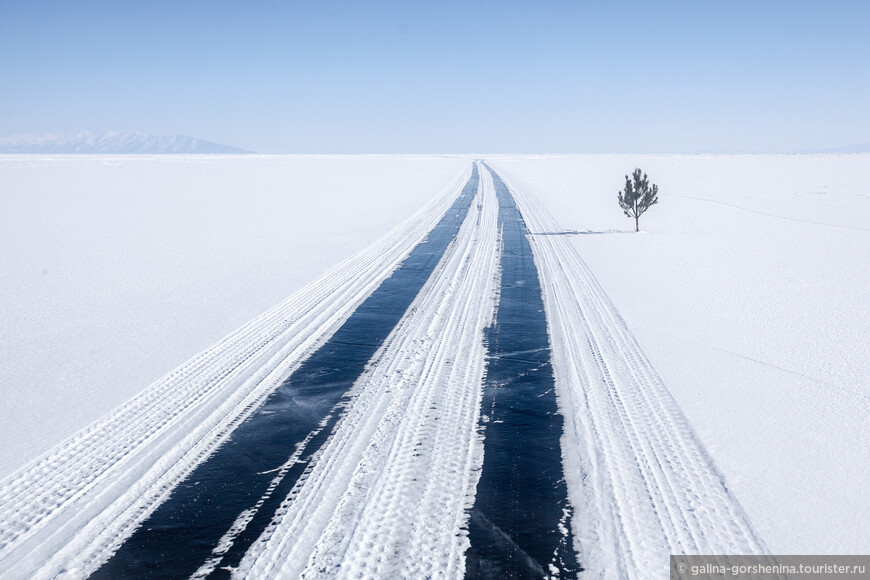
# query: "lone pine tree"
638,196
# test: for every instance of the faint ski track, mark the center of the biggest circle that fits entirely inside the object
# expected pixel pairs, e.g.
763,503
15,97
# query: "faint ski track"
66,512
642,484
772,215
811,380
388,494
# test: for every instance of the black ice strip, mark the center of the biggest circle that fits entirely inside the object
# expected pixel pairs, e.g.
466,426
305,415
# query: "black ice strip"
519,525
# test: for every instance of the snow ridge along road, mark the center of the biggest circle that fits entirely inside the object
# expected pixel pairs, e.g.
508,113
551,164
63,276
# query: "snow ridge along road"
639,479
66,512
388,495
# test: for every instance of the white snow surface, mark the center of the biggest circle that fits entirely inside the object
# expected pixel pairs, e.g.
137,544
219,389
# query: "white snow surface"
712,370
641,484
749,292
67,511
116,269
388,495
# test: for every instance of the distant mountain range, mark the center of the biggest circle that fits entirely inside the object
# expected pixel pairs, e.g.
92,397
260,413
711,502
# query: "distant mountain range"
111,142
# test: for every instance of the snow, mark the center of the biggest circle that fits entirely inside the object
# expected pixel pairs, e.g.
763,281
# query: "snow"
68,510
388,495
117,269
750,295
642,484
712,371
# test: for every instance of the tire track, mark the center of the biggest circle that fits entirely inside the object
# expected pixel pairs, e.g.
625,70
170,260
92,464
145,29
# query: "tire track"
645,482
388,495
215,514
67,511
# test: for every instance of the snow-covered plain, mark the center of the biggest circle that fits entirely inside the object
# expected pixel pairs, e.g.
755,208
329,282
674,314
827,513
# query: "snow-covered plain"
750,294
67,511
116,269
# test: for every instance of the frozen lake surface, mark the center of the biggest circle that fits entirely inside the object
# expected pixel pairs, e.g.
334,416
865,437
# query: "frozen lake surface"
710,369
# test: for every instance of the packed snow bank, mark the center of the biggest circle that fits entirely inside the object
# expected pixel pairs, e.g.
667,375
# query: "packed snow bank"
117,269
750,294
640,482
68,510
388,494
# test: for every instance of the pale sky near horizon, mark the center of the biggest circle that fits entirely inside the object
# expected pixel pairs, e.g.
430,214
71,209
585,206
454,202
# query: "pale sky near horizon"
445,77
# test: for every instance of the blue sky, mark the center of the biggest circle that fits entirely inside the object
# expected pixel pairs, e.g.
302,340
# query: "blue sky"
423,77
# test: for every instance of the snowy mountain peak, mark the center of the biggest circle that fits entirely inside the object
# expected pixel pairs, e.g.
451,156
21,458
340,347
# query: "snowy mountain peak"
111,142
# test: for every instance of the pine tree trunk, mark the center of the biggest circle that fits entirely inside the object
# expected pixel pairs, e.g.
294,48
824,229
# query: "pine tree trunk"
636,223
